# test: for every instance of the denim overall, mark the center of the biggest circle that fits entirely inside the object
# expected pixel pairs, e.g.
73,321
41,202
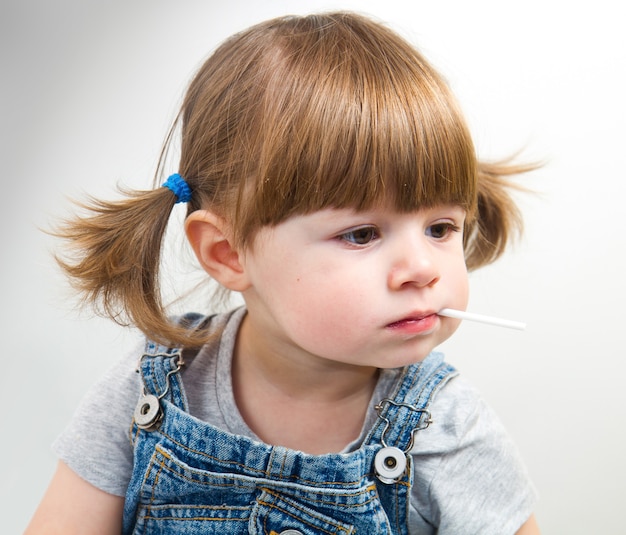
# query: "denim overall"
189,477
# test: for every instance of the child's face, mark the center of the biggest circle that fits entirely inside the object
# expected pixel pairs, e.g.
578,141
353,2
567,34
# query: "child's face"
360,288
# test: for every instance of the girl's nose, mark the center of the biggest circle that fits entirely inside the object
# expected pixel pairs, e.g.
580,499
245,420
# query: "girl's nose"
415,266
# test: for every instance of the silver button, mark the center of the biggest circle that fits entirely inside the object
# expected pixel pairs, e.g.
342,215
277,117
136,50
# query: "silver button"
390,464
291,532
148,412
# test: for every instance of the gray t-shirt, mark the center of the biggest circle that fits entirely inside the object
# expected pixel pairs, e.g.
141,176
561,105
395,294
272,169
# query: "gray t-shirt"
468,475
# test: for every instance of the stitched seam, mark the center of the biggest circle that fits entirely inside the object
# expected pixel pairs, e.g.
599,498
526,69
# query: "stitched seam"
240,465
288,513
164,467
322,502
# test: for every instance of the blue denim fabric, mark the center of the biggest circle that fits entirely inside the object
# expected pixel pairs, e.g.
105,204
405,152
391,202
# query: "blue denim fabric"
190,477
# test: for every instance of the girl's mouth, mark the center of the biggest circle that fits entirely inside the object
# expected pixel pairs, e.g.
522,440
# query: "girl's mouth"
415,324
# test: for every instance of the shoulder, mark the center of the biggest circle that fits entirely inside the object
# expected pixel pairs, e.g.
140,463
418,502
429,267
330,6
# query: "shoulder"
95,444
456,407
469,476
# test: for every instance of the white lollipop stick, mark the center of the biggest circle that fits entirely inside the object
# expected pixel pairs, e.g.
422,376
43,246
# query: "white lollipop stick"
458,314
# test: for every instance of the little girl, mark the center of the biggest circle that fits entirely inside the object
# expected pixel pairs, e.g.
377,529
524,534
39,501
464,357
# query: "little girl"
331,180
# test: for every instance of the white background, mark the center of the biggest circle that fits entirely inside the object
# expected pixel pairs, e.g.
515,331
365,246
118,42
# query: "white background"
90,88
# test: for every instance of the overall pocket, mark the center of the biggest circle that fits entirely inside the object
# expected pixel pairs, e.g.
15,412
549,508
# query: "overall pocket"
274,514
178,498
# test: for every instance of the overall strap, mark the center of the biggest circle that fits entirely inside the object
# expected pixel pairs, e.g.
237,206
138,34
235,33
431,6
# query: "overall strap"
406,410
400,417
159,366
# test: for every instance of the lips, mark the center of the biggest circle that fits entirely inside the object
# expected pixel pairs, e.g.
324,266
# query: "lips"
415,324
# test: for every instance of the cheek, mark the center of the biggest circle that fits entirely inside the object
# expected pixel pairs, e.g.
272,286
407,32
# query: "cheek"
326,294
323,307
463,284
458,282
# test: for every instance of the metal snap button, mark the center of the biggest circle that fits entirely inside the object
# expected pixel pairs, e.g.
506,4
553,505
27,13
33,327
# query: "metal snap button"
291,532
390,464
148,412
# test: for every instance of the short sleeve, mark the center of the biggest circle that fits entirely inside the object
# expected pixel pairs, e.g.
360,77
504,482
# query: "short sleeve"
96,443
469,477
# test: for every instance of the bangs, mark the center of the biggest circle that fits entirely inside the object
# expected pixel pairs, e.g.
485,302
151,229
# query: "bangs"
353,117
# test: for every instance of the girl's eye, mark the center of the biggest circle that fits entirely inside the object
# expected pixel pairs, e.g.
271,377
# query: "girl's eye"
441,230
360,236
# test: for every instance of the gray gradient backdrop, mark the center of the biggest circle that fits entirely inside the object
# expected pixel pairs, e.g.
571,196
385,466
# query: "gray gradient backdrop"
89,90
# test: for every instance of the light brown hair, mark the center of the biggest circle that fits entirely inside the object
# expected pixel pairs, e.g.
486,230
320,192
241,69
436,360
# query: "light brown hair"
288,117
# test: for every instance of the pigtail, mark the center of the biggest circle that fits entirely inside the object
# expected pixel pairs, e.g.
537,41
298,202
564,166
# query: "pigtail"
114,257
498,220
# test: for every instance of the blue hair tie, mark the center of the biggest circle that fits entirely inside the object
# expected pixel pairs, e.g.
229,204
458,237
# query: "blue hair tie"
179,187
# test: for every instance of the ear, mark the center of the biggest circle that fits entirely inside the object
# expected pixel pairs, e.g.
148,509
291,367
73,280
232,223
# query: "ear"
209,237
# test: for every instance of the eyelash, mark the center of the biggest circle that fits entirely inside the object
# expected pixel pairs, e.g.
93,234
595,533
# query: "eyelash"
371,233
448,228
362,236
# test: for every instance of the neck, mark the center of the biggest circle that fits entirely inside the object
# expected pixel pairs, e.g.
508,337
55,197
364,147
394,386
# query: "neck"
296,400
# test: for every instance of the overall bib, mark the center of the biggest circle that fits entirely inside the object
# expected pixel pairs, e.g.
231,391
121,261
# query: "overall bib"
190,477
